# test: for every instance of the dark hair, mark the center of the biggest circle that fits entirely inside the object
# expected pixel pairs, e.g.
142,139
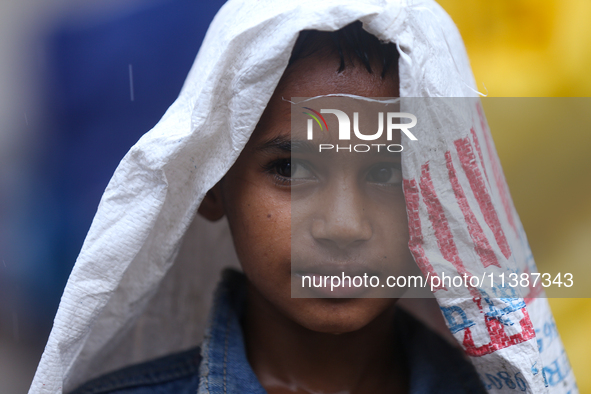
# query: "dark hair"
351,43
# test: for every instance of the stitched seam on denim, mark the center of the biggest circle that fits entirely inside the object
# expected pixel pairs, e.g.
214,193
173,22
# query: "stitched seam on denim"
207,342
206,380
226,352
206,377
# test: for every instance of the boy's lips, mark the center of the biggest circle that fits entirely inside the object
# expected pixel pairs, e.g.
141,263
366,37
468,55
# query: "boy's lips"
336,270
331,265
330,291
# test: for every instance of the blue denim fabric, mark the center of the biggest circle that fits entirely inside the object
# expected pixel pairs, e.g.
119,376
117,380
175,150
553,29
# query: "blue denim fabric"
225,368
433,364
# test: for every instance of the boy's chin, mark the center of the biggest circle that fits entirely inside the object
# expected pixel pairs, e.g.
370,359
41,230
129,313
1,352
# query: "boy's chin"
339,316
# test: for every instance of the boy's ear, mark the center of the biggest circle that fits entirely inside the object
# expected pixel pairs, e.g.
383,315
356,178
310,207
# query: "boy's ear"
212,207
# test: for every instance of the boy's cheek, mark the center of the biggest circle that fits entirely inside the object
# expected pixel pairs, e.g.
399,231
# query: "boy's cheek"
260,224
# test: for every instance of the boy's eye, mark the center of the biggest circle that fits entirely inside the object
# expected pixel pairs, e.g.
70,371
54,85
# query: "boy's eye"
385,173
283,168
290,168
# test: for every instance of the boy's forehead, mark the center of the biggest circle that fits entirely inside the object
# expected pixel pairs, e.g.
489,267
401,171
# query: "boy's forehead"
319,74
313,76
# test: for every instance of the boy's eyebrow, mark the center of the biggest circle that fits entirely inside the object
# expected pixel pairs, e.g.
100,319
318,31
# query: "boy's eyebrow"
284,144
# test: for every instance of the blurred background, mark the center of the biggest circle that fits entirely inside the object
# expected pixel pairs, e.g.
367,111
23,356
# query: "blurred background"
82,80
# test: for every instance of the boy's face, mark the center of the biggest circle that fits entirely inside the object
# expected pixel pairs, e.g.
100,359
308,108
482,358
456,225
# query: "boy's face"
256,197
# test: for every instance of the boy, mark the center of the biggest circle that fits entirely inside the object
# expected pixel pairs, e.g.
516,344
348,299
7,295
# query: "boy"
309,345
258,338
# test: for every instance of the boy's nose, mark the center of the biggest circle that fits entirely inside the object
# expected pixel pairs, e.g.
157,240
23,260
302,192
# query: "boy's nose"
342,220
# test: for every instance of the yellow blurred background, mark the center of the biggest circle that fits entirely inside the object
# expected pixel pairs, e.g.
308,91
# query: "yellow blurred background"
542,48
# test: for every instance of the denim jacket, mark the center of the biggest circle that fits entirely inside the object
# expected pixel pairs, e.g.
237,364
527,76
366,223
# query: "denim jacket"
220,366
